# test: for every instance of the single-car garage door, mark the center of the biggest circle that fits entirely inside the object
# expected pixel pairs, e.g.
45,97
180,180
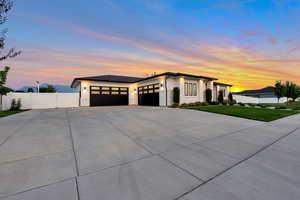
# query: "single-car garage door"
149,95
108,96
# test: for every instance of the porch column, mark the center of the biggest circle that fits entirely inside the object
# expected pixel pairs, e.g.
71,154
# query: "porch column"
211,86
181,87
201,90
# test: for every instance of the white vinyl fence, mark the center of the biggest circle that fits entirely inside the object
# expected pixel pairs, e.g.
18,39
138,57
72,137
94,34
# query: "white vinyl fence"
246,99
41,100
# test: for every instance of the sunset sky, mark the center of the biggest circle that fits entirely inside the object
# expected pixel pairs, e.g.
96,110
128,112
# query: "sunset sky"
247,43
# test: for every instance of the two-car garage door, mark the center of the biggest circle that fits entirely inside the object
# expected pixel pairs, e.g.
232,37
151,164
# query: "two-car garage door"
114,96
108,96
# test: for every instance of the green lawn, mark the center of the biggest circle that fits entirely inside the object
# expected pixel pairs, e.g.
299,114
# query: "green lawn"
7,113
260,114
294,105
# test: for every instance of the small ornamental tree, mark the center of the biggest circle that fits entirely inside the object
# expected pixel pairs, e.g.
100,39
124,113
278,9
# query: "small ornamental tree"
208,95
221,96
296,93
5,7
30,90
230,97
48,89
176,93
290,90
279,90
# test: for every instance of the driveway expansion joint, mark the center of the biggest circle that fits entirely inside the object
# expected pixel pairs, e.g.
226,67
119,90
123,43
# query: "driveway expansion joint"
238,163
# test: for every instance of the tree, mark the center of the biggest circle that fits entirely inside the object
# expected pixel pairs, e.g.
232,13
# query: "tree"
48,89
279,90
176,93
5,7
208,95
30,90
230,97
221,96
291,90
296,93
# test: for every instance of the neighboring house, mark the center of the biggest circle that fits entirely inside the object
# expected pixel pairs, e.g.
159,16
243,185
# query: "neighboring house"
155,90
267,92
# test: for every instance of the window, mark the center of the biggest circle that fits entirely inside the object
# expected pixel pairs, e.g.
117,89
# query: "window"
190,89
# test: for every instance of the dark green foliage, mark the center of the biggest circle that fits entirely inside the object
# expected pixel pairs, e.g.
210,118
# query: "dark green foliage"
214,103
30,90
5,7
230,97
48,89
175,105
208,95
221,96
279,90
176,95
280,107
15,105
4,90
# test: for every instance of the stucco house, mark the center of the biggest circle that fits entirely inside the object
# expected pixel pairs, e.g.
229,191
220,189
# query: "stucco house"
156,90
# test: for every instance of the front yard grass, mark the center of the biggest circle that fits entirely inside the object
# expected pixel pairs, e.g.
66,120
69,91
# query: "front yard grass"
259,114
7,113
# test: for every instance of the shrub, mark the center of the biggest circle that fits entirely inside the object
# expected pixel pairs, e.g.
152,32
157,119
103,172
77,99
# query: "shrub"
221,96
13,105
230,97
19,104
198,103
208,95
233,102
241,104
184,105
176,94
175,105
225,102
204,104
280,107
214,103
263,106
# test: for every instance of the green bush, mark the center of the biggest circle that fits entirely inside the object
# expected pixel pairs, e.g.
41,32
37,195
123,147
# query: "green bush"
175,105
184,105
176,94
214,103
198,103
220,96
230,97
225,102
208,95
241,104
280,107
19,105
204,104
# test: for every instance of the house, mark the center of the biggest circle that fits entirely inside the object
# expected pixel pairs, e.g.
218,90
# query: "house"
267,92
156,90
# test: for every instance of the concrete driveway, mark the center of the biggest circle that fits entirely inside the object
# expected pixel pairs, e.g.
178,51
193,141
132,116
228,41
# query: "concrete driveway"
144,153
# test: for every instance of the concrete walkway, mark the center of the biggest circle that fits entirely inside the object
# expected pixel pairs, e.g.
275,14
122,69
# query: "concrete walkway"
144,153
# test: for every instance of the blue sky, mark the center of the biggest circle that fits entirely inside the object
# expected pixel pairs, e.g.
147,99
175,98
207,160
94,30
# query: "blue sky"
249,43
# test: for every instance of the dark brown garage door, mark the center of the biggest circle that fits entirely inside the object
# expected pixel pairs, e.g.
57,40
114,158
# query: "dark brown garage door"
149,95
108,96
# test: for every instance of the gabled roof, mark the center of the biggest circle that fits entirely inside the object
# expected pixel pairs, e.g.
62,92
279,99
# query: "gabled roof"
109,78
129,79
223,84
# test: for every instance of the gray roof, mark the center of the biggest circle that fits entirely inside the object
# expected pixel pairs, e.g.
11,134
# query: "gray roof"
129,79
